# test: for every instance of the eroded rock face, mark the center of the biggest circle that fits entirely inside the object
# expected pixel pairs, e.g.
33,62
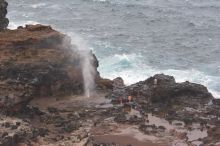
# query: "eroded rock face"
167,90
3,11
37,61
163,89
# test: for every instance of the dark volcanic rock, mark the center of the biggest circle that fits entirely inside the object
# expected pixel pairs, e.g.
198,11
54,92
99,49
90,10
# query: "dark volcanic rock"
3,11
71,126
121,118
104,84
118,89
216,102
168,90
12,133
162,89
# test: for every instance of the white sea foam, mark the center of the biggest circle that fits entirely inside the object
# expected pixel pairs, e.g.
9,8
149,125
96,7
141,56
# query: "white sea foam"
38,5
216,94
45,5
14,25
55,6
99,0
132,70
88,70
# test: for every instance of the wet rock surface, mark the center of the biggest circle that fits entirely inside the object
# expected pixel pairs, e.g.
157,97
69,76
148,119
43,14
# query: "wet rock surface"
78,120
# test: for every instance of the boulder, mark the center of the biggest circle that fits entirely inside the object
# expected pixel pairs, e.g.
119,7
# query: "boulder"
104,84
38,61
167,90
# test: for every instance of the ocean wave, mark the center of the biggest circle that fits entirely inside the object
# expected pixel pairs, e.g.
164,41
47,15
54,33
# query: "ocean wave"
45,5
99,0
135,70
128,3
54,6
38,5
127,57
119,61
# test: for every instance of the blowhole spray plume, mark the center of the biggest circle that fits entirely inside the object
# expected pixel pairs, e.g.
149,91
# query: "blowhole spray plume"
88,72
87,64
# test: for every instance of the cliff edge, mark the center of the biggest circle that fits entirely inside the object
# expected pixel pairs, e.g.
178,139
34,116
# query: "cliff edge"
38,61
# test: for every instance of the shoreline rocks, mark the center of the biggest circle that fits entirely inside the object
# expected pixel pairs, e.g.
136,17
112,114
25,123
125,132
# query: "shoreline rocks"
39,64
165,91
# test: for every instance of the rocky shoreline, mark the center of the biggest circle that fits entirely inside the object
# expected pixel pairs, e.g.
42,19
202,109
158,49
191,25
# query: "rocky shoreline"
42,102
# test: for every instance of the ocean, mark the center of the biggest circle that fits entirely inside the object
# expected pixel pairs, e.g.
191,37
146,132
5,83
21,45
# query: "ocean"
136,39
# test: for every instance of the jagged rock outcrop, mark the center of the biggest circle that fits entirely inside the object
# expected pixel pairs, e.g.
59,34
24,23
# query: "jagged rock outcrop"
163,89
14,130
37,61
3,11
167,90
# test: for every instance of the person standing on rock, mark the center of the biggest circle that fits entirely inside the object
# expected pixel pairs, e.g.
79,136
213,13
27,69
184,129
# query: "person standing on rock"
129,98
3,12
155,83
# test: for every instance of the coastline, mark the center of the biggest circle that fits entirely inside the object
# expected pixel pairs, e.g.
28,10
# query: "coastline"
52,109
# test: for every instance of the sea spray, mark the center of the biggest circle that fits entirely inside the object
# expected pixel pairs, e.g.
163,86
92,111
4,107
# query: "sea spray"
88,72
87,64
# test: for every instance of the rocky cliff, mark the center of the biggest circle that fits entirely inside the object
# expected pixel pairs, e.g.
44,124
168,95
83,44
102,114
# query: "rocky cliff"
38,61
164,92
164,89
3,11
